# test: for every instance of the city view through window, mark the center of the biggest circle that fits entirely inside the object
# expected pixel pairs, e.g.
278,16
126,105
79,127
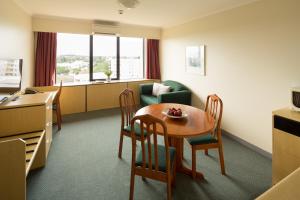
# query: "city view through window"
73,57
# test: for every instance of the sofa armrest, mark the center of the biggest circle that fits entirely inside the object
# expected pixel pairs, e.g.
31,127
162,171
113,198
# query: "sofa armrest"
182,97
146,89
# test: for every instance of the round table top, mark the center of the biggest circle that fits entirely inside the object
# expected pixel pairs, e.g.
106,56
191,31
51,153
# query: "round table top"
196,123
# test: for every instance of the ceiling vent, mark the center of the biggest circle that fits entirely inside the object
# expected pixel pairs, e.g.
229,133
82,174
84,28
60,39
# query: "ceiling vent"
106,27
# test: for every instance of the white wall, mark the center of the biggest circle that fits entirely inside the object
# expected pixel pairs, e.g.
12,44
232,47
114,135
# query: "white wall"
252,60
16,38
69,25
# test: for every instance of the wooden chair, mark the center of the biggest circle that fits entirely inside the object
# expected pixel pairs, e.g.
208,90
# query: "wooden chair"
128,109
153,161
213,107
56,106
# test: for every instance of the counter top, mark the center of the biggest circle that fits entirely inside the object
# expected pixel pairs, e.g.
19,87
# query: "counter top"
288,113
29,100
103,82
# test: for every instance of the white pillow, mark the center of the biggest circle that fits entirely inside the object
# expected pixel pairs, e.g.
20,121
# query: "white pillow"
159,89
163,89
155,89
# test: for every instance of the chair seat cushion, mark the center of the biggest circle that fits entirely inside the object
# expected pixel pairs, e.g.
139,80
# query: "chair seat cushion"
149,99
137,129
161,154
204,139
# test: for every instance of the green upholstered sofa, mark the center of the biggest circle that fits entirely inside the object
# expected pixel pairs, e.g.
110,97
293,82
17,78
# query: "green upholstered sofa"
178,94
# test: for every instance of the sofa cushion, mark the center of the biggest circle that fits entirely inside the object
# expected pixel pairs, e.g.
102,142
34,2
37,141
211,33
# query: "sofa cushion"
161,151
175,85
149,99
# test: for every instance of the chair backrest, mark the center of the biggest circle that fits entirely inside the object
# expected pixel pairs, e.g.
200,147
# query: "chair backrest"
148,127
214,107
127,106
56,99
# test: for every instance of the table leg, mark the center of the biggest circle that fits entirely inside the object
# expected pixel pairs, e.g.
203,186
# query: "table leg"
180,168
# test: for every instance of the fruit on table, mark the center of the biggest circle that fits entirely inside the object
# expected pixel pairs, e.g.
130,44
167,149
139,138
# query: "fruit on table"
175,112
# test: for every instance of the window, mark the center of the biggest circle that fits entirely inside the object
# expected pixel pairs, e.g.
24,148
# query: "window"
131,58
82,58
104,56
72,62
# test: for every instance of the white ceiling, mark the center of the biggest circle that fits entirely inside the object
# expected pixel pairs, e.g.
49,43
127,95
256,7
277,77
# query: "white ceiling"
159,13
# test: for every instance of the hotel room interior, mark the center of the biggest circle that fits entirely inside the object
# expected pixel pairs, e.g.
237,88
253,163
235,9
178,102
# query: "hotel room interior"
149,99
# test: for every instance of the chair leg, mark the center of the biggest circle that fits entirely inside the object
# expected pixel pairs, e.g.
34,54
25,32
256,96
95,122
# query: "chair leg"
206,152
169,188
221,157
174,174
132,185
182,150
193,162
121,145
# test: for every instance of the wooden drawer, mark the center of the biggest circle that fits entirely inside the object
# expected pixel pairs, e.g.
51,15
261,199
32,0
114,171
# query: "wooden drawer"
22,120
48,137
49,112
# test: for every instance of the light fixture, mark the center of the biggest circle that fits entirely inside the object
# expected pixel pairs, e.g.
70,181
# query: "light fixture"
129,3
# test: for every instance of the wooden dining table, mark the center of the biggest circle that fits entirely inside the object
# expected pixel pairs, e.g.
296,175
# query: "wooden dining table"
196,123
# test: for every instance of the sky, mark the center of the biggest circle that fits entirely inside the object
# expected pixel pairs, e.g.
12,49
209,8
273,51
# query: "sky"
78,44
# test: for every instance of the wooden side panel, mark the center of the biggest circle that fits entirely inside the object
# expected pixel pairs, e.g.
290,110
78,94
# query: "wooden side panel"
288,188
102,96
135,86
12,170
41,154
73,99
286,154
22,120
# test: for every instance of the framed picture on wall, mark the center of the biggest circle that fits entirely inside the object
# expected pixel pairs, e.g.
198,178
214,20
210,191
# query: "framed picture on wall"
195,59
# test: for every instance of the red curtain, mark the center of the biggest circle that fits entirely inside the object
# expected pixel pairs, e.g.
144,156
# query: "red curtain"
153,67
45,59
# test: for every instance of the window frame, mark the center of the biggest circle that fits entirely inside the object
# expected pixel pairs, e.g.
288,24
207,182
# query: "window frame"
91,61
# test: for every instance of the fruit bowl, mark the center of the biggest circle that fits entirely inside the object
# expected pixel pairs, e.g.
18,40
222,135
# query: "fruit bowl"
174,113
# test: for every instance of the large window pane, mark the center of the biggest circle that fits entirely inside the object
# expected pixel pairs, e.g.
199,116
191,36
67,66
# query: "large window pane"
72,62
104,56
131,58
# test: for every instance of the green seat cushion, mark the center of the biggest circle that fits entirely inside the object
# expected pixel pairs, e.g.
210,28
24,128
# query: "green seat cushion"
204,139
149,99
175,85
137,129
161,153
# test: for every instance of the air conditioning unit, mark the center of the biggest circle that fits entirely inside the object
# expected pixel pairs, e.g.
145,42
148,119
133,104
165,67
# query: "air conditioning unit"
106,27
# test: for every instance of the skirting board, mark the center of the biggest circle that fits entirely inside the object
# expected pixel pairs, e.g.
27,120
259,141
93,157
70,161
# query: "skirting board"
248,145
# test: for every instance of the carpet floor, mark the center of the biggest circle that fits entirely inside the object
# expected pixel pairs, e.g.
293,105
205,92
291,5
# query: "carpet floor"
83,164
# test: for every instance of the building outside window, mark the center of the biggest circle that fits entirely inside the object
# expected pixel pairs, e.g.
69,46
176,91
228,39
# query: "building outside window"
104,56
76,52
72,61
131,58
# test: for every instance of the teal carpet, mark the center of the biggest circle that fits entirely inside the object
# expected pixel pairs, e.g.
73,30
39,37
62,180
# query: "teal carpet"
83,164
